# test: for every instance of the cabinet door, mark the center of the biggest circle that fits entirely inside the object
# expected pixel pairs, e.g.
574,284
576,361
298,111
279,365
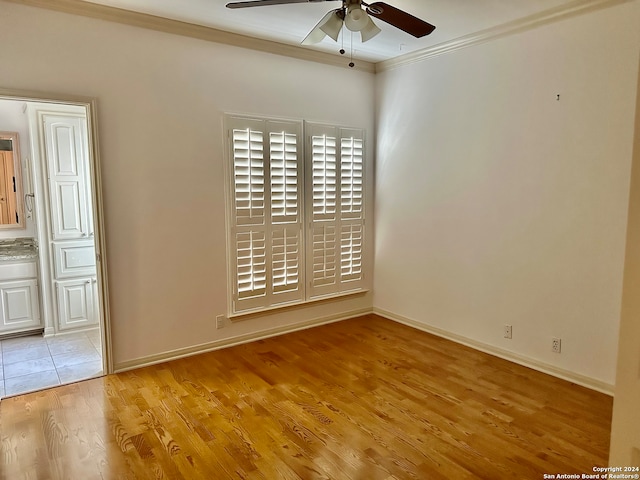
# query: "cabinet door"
74,258
66,161
20,310
76,303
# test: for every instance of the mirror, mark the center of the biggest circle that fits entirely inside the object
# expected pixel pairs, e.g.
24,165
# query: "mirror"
11,210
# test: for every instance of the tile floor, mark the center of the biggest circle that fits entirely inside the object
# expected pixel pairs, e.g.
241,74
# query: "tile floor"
34,362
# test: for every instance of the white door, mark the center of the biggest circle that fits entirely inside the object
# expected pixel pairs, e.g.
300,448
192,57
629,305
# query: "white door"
63,139
20,310
76,303
66,164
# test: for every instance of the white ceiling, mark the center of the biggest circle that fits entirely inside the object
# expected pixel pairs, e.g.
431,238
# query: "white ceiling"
289,24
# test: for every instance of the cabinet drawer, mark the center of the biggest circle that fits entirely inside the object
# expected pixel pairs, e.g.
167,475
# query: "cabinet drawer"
15,271
74,259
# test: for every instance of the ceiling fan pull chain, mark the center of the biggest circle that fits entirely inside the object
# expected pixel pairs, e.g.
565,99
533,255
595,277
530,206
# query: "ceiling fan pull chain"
351,64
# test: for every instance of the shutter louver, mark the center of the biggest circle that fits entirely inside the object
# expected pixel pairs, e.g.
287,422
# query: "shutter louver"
351,242
251,264
351,177
249,174
286,259
324,255
324,166
284,177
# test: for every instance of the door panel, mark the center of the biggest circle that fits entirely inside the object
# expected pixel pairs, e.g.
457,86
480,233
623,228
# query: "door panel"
67,215
66,160
76,303
19,305
74,258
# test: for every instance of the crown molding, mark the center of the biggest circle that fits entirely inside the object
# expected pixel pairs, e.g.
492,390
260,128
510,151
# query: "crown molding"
186,29
569,10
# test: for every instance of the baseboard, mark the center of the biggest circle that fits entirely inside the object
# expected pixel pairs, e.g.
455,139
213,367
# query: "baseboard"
570,376
230,342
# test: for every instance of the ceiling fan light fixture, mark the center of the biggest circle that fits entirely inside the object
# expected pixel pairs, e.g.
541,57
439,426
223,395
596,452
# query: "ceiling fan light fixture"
369,31
332,25
356,18
317,35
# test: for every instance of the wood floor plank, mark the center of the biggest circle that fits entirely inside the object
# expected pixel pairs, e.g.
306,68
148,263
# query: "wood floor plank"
366,398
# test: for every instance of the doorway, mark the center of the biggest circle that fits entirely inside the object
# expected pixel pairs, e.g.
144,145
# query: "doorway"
57,332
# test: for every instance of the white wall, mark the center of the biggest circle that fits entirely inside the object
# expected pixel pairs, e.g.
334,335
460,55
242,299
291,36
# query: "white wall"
13,119
498,204
160,104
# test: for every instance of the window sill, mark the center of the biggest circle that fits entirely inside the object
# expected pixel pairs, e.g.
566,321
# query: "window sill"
256,312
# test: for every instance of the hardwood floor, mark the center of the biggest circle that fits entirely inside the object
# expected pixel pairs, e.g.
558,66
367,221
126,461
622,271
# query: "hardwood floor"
366,399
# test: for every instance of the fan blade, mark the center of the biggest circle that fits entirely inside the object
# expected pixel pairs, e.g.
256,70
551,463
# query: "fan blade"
399,19
259,3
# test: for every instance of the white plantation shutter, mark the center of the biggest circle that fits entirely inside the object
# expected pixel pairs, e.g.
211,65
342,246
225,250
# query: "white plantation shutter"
251,264
248,174
324,161
265,221
323,256
351,240
286,209
285,184
351,177
274,188
286,259
351,205
335,209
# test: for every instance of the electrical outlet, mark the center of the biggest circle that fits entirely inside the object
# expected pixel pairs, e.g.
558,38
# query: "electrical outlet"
556,345
220,321
507,331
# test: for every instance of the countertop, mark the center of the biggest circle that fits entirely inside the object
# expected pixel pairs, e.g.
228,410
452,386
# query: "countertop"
17,249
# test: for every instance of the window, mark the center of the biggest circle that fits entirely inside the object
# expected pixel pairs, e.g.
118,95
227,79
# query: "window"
295,215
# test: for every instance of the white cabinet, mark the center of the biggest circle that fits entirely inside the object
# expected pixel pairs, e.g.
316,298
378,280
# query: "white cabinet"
66,164
71,288
19,301
20,309
74,259
76,303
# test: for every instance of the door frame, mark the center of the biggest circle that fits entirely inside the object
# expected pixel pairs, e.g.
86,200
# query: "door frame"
95,176
625,436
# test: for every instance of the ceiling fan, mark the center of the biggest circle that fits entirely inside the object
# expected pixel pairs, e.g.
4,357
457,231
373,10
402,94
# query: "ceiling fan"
354,18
